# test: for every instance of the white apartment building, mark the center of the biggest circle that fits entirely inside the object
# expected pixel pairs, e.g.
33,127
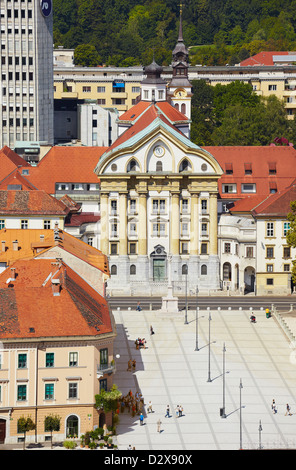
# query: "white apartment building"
26,97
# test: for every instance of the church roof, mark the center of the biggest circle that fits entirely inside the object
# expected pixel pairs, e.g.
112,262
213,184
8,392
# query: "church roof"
144,120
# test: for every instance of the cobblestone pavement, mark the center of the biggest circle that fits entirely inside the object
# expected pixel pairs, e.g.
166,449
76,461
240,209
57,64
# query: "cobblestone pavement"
171,372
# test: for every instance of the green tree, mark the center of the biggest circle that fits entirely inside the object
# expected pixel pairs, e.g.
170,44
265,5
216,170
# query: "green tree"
233,94
254,125
52,423
108,400
24,425
202,113
291,235
86,55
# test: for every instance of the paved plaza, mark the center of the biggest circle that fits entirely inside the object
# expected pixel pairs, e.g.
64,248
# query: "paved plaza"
171,372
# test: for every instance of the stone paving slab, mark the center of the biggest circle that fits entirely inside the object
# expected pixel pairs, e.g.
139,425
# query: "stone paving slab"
170,371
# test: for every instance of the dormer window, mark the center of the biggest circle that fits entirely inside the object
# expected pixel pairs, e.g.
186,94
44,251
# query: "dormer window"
228,169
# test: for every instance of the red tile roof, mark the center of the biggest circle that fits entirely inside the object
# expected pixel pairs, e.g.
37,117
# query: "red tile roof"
166,113
163,107
16,178
28,308
260,160
77,220
277,204
29,242
9,161
262,58
66,165
30,203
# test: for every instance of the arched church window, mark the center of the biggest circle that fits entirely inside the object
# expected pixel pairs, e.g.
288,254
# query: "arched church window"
204,270
133,269
185,166
113,270
132,166
177,106
158,166
183,108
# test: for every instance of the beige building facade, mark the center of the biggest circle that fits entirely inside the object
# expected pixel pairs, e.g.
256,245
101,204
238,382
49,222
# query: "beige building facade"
57,377
98,83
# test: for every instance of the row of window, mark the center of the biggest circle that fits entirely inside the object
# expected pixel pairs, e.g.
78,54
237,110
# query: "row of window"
159,229
24,224
133,269
16,13
22,391
77,187
250,251
286,252
132,248
17,76
246,188
248,168
133,165
17,60
17,122
270,229
158,206
22,359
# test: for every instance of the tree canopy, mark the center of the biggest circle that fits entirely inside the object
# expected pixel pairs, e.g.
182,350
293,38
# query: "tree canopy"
234,115
218,32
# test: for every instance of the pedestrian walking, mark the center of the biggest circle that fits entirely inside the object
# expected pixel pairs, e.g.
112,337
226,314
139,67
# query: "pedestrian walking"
139,307
158,425
177,411
273,407
134,364
288,410
151,330
150,407
129,365
141,419
167,415
180,411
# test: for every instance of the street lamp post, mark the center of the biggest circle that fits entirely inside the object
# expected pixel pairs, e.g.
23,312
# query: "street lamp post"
223,414
209,367
260,431
186,299
196,323
240,416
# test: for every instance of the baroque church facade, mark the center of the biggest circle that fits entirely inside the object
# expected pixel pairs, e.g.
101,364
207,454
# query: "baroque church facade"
159,191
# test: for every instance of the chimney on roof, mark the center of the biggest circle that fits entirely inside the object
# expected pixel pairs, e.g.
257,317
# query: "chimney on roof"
15,245
3,248
56,233
12,270
56,287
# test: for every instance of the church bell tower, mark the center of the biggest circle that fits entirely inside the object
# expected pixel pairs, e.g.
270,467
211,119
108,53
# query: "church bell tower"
180,88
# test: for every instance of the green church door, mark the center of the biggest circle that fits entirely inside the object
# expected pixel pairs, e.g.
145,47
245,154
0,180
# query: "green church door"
159,269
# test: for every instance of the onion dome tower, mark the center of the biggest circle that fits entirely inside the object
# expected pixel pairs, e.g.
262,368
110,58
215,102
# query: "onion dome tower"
153,87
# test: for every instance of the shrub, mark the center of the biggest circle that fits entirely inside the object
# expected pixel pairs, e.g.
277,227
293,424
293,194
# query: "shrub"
69,445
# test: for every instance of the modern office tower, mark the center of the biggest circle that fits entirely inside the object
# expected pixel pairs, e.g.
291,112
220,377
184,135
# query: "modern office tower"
26,99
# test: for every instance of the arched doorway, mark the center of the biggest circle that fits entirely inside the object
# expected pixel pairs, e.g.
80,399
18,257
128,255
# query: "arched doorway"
102,420
249,279
159,259
2,430
72,425
226,276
